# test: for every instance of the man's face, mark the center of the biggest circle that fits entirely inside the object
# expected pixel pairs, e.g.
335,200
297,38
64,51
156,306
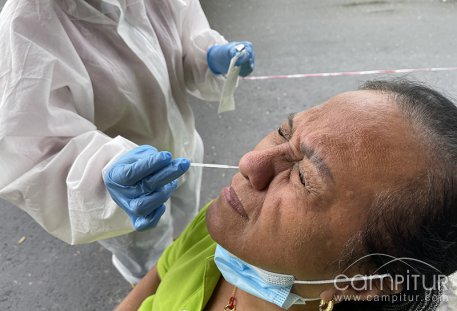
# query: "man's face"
306,188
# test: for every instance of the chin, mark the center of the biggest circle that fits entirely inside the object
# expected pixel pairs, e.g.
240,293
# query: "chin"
214,220
220,224
224,225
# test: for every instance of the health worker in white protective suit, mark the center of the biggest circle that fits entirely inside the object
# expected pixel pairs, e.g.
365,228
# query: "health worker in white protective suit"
82,85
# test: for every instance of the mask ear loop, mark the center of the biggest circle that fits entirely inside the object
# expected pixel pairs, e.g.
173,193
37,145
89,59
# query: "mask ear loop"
326,305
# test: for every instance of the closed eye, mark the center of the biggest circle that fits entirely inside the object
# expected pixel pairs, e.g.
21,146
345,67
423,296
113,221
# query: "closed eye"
302,178
283,133
301,175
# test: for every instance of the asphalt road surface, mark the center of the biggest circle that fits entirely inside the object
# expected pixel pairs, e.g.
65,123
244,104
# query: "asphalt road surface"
290,37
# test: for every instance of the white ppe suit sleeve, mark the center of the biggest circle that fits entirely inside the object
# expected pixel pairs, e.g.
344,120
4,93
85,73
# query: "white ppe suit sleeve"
51,154
197,37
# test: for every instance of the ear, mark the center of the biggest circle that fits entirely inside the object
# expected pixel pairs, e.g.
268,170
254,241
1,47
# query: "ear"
361,290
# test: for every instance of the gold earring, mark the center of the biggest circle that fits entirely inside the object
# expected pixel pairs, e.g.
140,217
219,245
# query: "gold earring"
326,305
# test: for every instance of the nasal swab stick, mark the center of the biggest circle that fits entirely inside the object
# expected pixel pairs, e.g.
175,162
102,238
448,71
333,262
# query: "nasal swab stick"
213,165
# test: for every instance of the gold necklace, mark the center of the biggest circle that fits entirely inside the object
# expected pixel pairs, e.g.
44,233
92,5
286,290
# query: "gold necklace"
326,305
231,305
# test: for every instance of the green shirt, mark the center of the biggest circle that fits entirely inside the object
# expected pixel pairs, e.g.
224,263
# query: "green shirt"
187,271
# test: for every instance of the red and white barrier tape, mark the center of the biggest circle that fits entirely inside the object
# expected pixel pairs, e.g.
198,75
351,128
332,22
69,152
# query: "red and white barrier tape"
349,73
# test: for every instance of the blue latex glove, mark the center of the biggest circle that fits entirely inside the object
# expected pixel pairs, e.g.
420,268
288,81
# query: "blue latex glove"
219,56
140,182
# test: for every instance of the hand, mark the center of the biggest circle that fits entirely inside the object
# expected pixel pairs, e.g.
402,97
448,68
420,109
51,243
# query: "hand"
141,181
219,56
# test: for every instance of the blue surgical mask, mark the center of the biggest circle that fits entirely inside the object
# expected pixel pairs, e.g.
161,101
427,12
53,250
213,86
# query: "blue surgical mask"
272,287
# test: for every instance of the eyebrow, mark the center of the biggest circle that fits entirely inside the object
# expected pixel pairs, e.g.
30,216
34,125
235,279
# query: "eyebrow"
311,153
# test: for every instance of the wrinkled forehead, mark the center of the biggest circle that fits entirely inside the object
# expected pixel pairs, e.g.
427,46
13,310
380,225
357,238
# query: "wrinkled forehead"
361,131
359,113
364,105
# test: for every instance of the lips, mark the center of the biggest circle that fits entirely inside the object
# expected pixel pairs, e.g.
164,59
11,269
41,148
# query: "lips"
234,202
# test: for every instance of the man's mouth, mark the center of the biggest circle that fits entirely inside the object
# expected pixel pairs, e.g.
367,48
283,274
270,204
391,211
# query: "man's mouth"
234,202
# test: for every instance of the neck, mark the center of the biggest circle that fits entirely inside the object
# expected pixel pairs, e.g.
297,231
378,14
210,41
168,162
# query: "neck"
246,301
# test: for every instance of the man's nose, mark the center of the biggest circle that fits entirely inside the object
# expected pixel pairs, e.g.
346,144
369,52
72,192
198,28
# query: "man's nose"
260,167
